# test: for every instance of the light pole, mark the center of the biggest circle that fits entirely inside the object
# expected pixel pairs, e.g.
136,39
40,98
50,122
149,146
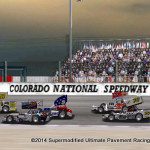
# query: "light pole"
5,71
70,35
70,38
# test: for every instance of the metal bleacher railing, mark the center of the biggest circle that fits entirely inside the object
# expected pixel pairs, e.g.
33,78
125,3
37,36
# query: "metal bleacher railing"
105,79
90,79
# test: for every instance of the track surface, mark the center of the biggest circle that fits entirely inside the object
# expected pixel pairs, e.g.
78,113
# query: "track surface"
81,106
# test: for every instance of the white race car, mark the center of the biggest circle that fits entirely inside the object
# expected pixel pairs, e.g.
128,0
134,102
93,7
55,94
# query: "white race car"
120,104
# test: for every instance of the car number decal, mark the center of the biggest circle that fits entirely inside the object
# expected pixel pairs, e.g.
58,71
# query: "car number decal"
147,113
3,96
136,100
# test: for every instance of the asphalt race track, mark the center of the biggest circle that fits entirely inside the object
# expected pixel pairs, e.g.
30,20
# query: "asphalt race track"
81,106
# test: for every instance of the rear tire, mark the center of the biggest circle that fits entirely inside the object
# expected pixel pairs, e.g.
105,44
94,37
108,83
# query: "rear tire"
10,119
124,109
20,120
111,117
139,117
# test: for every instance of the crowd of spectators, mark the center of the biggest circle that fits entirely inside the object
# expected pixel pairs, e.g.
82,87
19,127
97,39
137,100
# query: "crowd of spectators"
95,62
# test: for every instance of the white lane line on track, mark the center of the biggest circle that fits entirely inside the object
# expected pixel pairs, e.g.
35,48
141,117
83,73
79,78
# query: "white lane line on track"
73,127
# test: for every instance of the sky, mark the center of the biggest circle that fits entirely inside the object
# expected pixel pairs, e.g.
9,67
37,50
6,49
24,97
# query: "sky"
100,18
36,26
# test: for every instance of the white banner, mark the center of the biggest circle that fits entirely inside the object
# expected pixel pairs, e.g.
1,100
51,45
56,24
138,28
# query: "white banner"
142,89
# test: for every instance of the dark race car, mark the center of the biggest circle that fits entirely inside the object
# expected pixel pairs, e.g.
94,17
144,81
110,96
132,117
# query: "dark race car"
132,113
35,116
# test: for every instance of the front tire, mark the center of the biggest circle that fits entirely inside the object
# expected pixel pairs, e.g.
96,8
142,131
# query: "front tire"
139,117
62,114
101,109
43,120
35,119
20,120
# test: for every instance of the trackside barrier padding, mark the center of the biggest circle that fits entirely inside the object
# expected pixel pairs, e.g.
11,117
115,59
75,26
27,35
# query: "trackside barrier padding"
1,79
9,79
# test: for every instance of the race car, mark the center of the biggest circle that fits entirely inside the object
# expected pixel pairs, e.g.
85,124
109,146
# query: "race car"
7,106
133,113
119,104
59,109
35,116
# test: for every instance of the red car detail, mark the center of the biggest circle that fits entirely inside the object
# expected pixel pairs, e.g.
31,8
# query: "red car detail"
120,105
118,94
64,107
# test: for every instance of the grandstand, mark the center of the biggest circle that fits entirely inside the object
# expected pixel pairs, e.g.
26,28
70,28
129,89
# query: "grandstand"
122,60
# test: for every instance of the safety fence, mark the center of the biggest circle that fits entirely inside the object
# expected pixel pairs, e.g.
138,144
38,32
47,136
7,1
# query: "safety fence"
36,79
107,79
89,79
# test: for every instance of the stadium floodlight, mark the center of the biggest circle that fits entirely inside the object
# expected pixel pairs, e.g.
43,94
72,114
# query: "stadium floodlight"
70,35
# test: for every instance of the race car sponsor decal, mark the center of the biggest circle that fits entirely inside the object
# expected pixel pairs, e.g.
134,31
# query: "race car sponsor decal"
3,95
136,100
118,94
146,113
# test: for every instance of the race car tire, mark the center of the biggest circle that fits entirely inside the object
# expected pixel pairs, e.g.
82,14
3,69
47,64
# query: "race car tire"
111,117
69,115
124,109
5,109
101,109
102,105
139,117
20,120
35,119
43,120
62,114
9,119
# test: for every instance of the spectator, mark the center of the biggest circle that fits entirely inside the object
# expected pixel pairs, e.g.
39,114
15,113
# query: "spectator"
93,61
